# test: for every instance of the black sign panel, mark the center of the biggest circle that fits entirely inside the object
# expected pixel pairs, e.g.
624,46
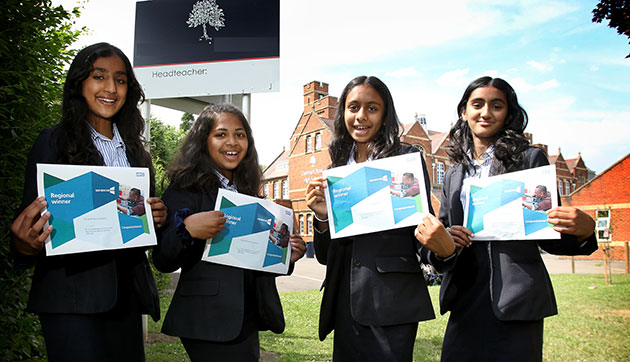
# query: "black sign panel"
172,32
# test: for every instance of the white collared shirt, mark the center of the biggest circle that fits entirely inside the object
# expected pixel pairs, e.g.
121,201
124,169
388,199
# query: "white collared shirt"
114,151
225,183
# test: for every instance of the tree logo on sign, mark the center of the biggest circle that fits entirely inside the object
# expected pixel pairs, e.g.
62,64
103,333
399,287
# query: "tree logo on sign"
206,12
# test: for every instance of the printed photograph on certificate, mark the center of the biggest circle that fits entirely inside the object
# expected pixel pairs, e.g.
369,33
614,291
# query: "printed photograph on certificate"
256,234
96,208
378,195
512,206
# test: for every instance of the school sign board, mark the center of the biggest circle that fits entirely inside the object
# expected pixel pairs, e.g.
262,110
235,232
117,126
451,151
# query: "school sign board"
196,48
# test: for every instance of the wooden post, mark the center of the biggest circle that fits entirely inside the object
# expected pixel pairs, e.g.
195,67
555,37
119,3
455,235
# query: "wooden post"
606,263
627,257
572,264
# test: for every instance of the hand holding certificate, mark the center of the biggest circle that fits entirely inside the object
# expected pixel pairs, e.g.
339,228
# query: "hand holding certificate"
256,234
376,195
95,208
512,206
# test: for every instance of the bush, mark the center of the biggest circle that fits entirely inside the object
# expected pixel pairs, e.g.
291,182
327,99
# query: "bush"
33,54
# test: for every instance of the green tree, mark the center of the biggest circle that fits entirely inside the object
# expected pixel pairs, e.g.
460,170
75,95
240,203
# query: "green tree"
164,143
34,42
617,12
187,121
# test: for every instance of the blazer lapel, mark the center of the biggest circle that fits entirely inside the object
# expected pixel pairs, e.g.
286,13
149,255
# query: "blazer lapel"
457,211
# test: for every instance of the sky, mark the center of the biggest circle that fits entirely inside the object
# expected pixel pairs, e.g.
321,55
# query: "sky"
570,74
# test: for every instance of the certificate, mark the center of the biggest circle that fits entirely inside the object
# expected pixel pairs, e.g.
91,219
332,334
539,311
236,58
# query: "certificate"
256,234
512,206
378,195
95,208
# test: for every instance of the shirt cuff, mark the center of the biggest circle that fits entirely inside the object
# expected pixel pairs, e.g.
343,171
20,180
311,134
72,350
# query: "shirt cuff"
317,229
447,258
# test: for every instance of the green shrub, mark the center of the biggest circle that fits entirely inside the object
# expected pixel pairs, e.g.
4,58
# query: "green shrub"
33,54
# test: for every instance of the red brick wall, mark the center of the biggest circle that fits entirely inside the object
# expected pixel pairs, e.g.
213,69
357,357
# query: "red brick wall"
609,190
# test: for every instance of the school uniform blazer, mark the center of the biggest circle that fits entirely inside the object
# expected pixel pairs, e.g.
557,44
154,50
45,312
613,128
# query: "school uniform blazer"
387,286
520,288
84,282
208,303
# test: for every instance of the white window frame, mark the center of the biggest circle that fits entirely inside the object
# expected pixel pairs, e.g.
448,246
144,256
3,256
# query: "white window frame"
266,189
301,223
309,144
439,173
285,189
309,224
276,190
560,187
318,141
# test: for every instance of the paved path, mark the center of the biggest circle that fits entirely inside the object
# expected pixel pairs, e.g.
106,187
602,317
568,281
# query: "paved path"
309,274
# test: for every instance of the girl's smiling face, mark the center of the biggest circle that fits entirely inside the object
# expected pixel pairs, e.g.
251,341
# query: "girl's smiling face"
105,89
227,143
364,113
485,113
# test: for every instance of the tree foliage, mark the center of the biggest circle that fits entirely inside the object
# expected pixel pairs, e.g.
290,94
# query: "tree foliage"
617,12
164,143
34,42
187,121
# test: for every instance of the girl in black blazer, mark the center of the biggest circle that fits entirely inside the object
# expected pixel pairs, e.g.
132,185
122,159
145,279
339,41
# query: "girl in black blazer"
217,310
90,304
374,292
497,292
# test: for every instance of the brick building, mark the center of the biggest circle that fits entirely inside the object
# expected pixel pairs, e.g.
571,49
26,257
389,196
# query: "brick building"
286,178
607,199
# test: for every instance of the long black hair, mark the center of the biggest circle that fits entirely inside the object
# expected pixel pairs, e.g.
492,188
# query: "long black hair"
193,169
509,143
387,140
74,142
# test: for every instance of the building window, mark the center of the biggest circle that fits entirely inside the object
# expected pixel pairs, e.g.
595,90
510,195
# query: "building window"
440,173
309,224
560,188
602,225
266,190
318,141
567,186
581,179
276,190
282,165
309,144
301,219
285,189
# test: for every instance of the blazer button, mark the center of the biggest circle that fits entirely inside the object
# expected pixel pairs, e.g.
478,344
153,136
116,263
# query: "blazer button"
356,263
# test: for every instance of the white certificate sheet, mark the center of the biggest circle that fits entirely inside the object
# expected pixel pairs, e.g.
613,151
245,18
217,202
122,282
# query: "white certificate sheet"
378,195
256,234
96,208
512,206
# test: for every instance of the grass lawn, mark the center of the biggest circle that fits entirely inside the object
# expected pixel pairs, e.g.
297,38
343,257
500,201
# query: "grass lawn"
593,325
